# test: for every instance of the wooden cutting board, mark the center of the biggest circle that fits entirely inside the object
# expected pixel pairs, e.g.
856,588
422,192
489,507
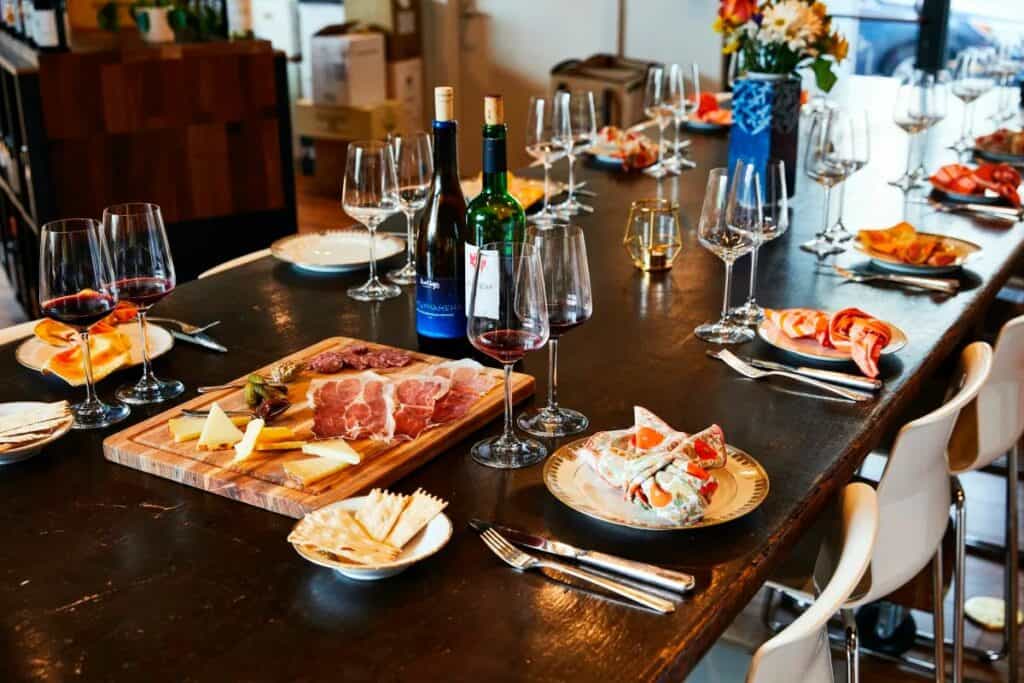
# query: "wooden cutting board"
148,446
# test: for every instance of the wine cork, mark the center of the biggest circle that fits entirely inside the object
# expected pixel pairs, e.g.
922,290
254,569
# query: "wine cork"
494,110
444,103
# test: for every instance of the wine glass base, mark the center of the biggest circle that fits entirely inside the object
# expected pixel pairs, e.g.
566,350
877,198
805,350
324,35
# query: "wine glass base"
374,290
147,392
553,422
838,233
544,216
724,332
572,207
406,275
507,453
822,248
658,170
962,145
747,314
97,414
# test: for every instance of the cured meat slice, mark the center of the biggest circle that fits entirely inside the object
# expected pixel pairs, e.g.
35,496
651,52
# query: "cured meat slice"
469,381
862,335
358,357
356,407
798,322
415,398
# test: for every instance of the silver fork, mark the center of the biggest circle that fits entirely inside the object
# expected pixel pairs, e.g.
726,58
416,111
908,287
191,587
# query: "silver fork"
521,561
746,370
937,284
185,327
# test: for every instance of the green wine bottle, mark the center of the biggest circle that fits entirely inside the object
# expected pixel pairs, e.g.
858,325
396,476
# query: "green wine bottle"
494,215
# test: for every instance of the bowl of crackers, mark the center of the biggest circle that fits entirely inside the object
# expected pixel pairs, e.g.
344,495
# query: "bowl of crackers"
374,536
27,426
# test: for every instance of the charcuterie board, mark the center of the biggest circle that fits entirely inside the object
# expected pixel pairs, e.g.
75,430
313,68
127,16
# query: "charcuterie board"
150,447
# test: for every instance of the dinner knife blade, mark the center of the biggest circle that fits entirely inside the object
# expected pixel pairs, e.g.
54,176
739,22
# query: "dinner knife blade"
843,378
199,340
641,571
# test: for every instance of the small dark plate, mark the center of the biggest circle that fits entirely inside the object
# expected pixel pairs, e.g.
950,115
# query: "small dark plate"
958,198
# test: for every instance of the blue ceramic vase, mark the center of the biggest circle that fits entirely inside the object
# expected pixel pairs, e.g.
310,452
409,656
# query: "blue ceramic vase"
766,122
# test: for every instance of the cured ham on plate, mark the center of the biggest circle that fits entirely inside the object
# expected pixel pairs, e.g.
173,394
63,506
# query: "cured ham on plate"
903,249
988,183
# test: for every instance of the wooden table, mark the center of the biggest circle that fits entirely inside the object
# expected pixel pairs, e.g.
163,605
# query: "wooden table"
112,574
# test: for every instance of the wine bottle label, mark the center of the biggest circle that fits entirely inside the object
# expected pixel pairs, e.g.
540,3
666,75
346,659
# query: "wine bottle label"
439,309
45,29
486,283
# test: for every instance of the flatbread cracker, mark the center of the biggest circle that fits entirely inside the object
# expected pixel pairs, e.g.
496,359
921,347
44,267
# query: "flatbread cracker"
380,511
422,508
46,413
45,427
23,438
337,531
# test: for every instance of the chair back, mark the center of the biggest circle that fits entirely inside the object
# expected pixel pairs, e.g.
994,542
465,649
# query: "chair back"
16,332
235,262
801,650
914,492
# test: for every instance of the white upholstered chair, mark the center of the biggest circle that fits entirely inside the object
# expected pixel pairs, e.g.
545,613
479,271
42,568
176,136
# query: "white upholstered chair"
16,332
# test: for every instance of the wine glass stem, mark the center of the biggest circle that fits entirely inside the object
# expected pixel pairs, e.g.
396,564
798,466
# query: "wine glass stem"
508,433
410,238
90,392
910,154
661,142
371,226
147,370
547,169
553,373
842,203
965,131
728,288
753,272
675,124
572,177
828,205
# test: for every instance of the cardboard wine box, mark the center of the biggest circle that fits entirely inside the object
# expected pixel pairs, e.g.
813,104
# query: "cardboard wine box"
346,123
349,68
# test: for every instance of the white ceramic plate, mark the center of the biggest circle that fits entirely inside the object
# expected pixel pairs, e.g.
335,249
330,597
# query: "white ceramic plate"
742,486
423,545
26,451
33,352
335,251
810,348
965,250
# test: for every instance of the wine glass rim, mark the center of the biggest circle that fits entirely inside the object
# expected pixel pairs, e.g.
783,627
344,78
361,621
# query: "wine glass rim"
369,144
69,225
131,209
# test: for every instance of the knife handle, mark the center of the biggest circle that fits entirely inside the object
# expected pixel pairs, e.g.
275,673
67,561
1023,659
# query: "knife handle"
648,573
644,598
843,378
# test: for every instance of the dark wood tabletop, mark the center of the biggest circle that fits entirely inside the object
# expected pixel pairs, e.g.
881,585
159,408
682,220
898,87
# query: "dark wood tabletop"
107,573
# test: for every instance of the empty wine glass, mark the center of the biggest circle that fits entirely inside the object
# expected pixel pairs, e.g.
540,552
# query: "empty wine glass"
370,194
144,274
972,78
563,253
827,163
542,146
860,154
414,169
727,243
77,288
920,104
655,108
774,222
508,317
575,129
680,106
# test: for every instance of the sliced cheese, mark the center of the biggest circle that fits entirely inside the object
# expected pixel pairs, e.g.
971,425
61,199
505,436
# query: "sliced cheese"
245,447
280,445
218,430
274,434
335,449
312,470
186,428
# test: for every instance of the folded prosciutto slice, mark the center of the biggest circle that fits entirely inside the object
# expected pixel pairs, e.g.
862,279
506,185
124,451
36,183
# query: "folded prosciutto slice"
469,381
853,330
360,407
415,402
798,323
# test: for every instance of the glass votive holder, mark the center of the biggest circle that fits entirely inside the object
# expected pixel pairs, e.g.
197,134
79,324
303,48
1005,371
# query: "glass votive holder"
653,238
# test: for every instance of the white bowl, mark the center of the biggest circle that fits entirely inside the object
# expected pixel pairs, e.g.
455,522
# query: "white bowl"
26,451
424,544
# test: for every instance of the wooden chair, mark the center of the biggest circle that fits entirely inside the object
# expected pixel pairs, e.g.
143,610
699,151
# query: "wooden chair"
235,262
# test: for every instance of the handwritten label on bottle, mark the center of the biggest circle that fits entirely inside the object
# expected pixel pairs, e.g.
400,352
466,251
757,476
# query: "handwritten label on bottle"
486,282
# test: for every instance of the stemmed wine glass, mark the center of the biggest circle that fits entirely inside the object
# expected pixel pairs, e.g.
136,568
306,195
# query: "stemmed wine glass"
370,194
144,274
656,108
575,125
827,163
718,236
774,222
76,287
542,146
920,104
563,253
680,106
414,169
860,154
971,79
507,317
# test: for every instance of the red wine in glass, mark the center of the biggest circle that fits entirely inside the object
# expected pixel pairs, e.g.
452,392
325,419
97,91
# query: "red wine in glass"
508,346
81,310
144,292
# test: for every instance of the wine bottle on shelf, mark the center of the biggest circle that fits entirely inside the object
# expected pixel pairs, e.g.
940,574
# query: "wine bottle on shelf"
48,30
494,215
440,246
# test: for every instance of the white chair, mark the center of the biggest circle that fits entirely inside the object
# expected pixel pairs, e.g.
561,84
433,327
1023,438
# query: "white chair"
235,262
16,332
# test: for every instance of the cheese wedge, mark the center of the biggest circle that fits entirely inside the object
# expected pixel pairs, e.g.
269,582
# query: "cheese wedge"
280,445
219,431
186,428
335,449
274,434
311,470
245,447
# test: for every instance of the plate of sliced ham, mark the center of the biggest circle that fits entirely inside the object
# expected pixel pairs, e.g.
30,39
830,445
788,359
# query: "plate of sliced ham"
849,335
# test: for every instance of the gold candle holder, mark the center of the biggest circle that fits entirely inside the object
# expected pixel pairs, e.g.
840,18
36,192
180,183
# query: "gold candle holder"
653,238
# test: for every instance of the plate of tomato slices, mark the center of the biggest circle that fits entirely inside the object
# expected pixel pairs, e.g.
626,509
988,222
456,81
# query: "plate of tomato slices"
709,116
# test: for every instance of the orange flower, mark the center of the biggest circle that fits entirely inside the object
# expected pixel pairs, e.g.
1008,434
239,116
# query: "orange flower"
737,12
838,46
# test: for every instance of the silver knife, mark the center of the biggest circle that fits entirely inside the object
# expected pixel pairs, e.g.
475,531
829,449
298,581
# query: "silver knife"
199,340
649,573
843,378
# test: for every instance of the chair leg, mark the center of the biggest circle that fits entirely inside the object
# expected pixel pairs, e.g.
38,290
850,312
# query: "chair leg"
852,647
960,503
1012,556
940,627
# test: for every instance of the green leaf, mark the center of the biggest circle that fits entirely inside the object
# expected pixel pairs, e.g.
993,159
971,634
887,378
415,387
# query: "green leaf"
823,75
106,17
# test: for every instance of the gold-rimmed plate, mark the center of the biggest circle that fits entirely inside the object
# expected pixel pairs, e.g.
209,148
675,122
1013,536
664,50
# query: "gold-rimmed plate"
964,251
742,486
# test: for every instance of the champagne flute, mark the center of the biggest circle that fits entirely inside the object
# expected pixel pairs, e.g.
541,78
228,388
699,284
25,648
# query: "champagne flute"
860,154
576,128
774,222
717,236
414,169
563,252
507,317
77,288
144,274
370,194
920,104
542,146
827,163
655,108
971,79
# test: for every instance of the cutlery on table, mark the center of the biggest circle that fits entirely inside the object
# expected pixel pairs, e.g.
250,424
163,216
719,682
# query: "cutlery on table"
833,376
997,213
641,571
199,340
185,327
234,385
522,561
935,284
190,412
746,370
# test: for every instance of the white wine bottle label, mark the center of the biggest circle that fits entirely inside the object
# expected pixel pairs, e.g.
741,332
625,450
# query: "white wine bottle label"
486,283
45,29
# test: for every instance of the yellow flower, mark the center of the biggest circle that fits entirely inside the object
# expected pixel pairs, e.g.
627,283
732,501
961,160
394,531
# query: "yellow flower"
839,47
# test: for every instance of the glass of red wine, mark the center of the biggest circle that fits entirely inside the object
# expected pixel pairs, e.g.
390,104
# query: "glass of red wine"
77,288
508,317
144,274
563,252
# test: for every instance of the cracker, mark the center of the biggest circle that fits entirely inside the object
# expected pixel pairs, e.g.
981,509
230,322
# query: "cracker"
23,438
337,531
422,508
50,412
44,427
380,511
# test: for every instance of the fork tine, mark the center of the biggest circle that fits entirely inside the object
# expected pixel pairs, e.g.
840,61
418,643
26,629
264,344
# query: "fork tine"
494,548
503,542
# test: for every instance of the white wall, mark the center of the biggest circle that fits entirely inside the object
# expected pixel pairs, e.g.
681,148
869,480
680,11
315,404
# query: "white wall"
675,31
